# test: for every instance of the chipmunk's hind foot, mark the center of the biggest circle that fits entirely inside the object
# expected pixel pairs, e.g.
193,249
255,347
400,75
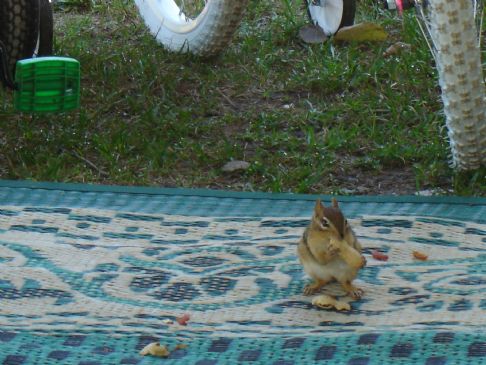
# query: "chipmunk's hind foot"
353,291
310,289
315,287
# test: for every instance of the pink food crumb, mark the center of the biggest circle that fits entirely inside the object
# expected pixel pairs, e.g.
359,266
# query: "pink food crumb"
182,320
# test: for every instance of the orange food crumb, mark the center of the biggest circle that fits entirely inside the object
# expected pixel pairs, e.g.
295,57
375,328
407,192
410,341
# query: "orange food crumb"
377,255
420,255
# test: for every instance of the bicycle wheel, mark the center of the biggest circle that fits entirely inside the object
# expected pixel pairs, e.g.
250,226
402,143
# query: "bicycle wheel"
202,27
452,33
19,26
46,29
331,15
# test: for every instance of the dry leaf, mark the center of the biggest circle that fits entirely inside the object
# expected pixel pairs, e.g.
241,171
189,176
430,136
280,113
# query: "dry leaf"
235,165
362,32
311,33
397,48
155,349
420,255
327,302
377,255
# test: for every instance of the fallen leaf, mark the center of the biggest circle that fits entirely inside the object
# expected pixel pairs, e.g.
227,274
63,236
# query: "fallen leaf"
397,48
377,255
182,320
311,33
327,302
420,255
235,165
362,32
155,349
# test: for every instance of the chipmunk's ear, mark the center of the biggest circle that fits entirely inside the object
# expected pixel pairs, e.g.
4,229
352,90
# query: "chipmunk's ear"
319,208
335,203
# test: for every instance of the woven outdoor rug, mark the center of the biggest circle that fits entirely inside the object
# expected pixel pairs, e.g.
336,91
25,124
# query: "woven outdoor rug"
92,274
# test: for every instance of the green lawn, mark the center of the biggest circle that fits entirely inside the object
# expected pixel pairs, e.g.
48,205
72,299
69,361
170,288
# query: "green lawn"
329,118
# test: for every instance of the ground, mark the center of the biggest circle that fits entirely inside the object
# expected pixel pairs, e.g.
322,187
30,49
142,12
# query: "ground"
326,118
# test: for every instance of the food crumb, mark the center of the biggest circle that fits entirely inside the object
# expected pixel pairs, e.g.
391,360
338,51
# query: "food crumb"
420,255
328,302
377,255
182,320
155,349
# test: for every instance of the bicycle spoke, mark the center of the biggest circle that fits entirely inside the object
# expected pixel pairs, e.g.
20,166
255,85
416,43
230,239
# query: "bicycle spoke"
424,23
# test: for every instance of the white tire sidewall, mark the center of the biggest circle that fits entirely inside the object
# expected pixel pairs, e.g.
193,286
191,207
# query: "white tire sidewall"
328,16
191,37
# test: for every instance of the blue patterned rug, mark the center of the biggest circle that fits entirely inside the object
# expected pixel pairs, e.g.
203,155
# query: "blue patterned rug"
92,274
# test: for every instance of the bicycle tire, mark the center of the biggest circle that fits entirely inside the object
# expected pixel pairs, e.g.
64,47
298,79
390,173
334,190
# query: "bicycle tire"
206,35
19,26
458,61
349,12
347,16
46,29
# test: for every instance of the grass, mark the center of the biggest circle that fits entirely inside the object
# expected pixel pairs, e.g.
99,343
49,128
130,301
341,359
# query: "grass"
327,118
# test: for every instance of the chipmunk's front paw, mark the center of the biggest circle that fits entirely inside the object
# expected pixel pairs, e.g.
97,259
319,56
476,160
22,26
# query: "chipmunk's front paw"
333,248
363,261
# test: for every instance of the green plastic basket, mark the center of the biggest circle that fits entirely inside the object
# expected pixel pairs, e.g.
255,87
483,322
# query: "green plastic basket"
47,84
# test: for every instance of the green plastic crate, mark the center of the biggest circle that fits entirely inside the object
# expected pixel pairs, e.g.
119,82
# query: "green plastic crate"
47,84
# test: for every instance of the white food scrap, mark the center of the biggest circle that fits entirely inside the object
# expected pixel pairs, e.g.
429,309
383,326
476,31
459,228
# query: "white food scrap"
155,349
327,302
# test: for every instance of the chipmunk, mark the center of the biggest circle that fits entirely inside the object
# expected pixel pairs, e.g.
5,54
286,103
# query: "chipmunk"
325,247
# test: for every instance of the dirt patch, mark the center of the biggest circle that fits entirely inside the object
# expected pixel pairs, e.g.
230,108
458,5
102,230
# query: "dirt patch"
386,182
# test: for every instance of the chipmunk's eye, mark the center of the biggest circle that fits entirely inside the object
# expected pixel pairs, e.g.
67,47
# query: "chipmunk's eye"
324,222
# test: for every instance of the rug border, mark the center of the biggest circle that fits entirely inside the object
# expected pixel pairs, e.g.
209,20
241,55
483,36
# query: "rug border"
28,184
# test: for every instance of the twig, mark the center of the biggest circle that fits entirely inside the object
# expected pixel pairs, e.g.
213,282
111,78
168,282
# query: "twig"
230,102
90,164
